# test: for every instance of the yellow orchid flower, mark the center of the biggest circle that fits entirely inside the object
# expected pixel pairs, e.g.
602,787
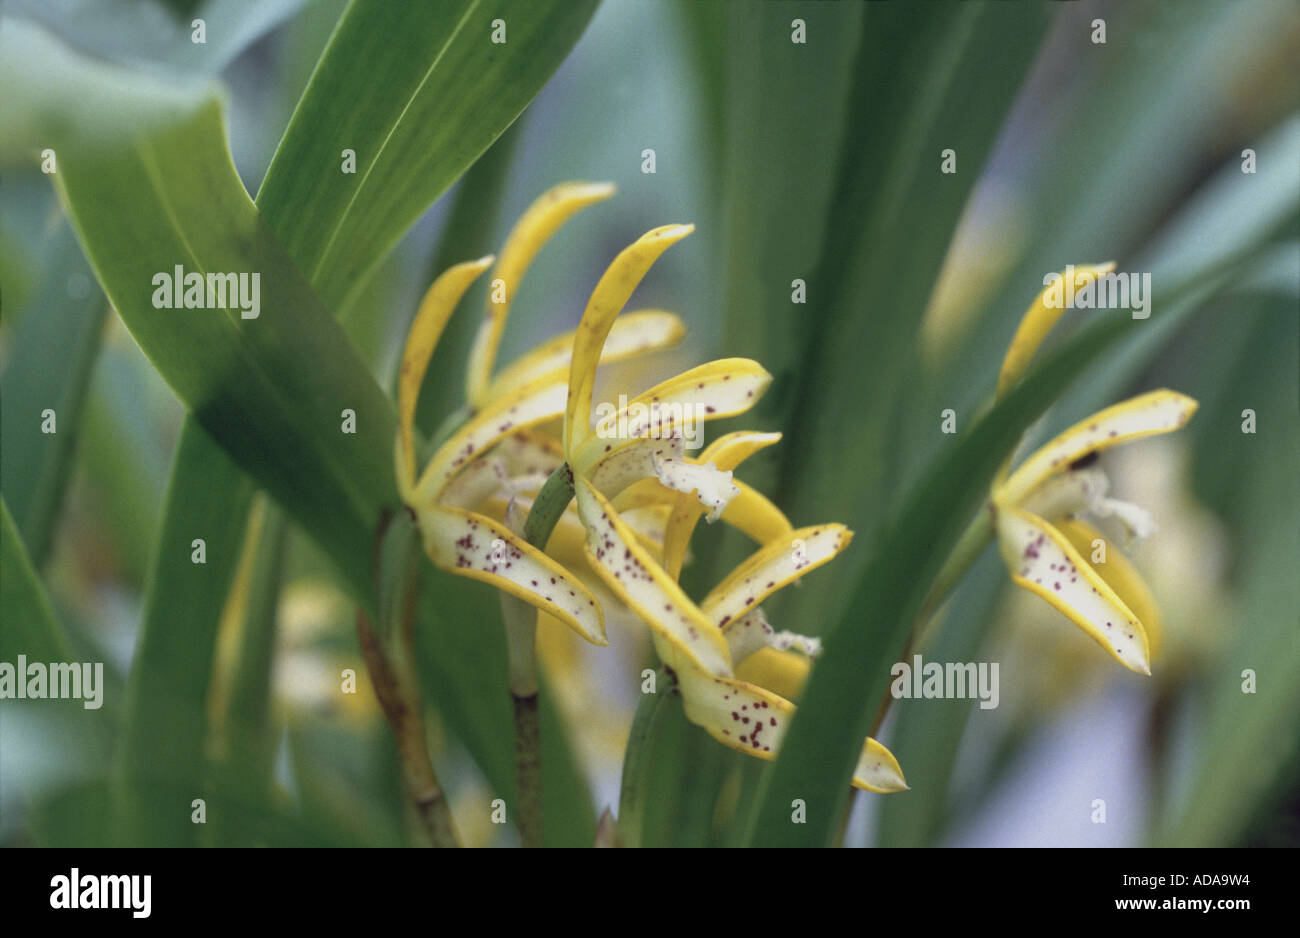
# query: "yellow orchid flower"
1044,540
702,644
635,457
499,449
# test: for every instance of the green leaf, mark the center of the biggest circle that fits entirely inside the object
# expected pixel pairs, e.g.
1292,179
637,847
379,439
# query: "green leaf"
161,755
568,813
124,450
825,737
869,245
30,626
248,734
893,214
926,734
46,743
157,191
418,91
50,360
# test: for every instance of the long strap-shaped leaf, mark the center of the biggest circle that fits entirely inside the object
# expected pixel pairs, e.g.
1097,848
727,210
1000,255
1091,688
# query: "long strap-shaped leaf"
418,91
53,350
30,627
161,755
154,188
892,216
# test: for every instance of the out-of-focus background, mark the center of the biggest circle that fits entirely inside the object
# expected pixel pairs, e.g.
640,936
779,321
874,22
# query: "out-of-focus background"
815,161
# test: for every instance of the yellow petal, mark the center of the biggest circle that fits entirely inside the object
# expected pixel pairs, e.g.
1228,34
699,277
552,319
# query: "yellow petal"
746,635
473,545
689,639
632,334
751,633
726,453
773,566
748,511
877,770
710,391
1038,321
568,537
1145,415
435,309
648,524
519,458
753,514
609,297
783,672
534,228
740,715
752,720
643,493
663,461
530,405
732,449
1120,575
1043,561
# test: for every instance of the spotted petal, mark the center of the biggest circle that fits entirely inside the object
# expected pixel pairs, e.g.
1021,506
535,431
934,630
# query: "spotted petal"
752,720
1038,321
748,511
677,406
686,637
534,228
473,545
1120,575
752,632
435,309
664,461
530,405
609,297
773,566
1043,561
632,334
508,467
1145,415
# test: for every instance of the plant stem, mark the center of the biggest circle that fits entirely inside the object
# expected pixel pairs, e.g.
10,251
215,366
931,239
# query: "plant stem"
528,768
636,759
549,506
521,648
389,655
403,715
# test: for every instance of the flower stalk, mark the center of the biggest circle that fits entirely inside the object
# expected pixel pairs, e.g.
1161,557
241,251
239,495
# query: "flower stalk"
388,649
521,649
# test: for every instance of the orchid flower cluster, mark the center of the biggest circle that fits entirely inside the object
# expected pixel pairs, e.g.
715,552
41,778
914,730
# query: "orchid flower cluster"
632,495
